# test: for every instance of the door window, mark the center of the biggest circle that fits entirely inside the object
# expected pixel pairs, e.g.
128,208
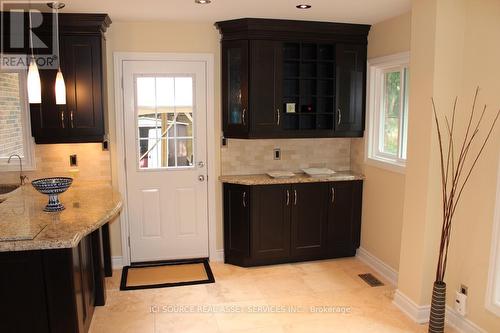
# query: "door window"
165,119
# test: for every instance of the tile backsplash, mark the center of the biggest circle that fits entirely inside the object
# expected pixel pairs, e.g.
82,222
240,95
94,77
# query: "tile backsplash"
94,164
242,157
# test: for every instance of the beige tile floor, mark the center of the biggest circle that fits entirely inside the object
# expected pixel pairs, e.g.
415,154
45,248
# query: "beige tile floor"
266,299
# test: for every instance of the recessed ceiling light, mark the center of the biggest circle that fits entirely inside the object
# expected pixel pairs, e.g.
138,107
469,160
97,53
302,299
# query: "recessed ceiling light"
303,6
203,2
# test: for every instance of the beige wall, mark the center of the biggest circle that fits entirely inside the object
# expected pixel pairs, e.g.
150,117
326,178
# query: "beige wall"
181,37
451,52
383,192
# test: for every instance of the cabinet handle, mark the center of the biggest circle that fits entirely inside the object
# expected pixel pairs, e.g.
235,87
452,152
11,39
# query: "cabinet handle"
339,116
295,198
244,199
333,195
287,197
244,116
62,119
71,118
278,116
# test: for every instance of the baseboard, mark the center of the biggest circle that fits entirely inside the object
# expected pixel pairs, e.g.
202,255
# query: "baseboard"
218,256
460,323
418,313
117,262
387,272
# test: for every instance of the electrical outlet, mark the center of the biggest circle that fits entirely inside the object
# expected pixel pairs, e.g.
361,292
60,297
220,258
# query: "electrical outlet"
277,153
461,303
73,161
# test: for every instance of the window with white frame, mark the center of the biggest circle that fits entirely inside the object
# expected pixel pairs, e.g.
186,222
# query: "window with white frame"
388,111
493,288
15,129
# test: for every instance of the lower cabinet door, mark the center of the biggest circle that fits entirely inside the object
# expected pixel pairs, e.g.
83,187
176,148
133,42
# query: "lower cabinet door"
270,223
344,218
236,223
309,221
84,283
23,299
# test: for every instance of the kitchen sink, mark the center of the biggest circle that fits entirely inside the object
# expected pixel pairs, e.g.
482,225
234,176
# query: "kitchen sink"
7,188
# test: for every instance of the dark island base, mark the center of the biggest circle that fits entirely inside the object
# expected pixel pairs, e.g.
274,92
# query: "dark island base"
54,290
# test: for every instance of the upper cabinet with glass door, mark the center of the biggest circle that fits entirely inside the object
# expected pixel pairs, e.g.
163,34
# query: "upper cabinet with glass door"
293,79
235,78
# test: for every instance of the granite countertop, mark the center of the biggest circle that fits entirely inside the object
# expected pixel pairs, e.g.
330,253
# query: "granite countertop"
25,226
264,179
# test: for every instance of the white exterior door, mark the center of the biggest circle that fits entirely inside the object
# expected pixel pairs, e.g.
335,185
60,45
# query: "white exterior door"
165,111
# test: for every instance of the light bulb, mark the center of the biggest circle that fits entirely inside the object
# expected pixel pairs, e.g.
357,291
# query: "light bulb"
34,85
60,88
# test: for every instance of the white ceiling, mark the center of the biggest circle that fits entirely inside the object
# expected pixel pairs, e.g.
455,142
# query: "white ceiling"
355,11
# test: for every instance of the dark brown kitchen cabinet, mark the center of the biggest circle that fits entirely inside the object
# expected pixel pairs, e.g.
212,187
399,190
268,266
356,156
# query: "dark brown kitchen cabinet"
53,291
293,79
344,218
83,75
265,87
309,220
251,102
268,224
237,210
235,110
351,88
82,61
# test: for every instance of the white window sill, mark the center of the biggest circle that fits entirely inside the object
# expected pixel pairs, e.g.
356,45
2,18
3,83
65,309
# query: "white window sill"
386,164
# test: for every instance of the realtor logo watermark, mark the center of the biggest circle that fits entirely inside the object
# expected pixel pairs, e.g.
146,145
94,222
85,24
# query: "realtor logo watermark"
19,40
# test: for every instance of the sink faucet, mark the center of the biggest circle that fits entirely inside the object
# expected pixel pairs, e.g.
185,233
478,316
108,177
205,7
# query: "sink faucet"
22,178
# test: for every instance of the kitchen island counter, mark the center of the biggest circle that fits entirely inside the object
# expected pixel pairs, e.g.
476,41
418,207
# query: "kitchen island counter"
25,226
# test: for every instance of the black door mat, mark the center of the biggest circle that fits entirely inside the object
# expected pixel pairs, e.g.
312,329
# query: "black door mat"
166,274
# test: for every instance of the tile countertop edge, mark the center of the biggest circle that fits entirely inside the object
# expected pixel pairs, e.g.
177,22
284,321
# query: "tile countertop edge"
264,179
48,244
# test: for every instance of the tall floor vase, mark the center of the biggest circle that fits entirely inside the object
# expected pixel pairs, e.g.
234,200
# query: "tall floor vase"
438,308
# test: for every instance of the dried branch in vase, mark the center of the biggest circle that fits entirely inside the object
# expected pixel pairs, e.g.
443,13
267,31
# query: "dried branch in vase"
454,172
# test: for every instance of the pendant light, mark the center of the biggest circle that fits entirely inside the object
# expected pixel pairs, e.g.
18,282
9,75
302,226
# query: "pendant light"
60,87
34,85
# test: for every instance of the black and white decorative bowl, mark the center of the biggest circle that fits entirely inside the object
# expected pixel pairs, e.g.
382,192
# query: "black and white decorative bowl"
53,187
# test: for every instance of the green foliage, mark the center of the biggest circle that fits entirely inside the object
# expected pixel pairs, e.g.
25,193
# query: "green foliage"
392,103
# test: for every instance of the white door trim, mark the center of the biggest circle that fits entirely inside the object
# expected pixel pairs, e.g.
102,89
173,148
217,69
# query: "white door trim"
208,58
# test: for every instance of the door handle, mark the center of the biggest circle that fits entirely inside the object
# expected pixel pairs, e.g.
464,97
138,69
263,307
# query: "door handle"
295,197
244,199
333,195
278,116
287,197
244,116
71,118
339,118
62,119
201,178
